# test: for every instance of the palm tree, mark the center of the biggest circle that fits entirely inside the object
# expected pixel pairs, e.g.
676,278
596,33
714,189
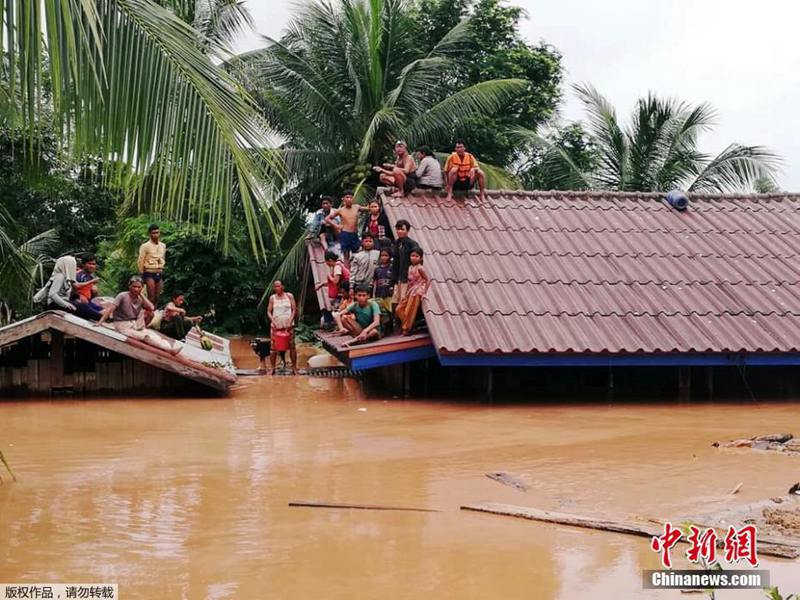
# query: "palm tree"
21,265
656,151
131,83
348,79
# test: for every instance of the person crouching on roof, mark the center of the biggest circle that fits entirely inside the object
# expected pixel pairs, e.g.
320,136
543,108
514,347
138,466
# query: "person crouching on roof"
463,171
175,324
402,174
418,284
429,171
127,314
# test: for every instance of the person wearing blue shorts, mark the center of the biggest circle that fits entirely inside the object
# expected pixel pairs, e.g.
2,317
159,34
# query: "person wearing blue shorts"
348,236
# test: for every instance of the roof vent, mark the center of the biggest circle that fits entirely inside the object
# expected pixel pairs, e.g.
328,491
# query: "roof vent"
678,200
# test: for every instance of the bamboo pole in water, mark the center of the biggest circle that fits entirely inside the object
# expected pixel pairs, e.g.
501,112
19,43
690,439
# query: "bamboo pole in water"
325,504
535,514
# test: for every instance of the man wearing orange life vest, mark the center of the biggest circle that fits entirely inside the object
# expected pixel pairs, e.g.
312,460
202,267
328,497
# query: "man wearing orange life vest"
462,171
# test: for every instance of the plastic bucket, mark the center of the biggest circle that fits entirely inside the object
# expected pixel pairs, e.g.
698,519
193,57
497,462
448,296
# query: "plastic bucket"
280,341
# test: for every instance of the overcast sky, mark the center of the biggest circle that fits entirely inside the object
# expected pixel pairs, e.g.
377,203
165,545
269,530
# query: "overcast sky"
744,61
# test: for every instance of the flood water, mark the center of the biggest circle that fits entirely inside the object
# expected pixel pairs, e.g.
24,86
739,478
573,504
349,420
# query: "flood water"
188,498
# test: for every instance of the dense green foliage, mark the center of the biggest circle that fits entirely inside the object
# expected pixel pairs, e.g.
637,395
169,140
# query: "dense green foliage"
49,193
496,50
131,83
224,287
542,169
346,80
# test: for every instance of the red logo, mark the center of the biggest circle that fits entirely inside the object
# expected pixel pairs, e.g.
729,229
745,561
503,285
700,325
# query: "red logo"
738,545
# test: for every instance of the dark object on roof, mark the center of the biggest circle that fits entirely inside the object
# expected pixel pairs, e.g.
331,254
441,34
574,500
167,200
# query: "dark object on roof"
537,274
678,200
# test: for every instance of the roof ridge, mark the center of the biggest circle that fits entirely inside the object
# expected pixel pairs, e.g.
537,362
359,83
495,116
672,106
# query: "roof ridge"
761,231
435,252
722,282
612,193
613,313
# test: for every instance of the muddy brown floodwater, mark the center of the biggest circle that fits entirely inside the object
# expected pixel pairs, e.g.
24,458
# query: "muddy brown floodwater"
188,498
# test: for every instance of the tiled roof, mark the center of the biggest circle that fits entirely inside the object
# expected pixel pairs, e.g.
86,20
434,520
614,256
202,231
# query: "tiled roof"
591,272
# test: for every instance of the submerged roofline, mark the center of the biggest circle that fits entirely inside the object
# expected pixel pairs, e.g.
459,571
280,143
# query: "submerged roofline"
676,359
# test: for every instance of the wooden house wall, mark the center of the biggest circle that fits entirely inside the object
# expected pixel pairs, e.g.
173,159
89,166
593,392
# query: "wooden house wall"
49,363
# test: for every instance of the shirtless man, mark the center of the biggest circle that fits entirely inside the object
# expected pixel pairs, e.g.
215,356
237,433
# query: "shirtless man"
348,234
402,174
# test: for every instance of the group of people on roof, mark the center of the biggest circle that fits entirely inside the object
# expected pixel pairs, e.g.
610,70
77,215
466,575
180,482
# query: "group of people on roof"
75,289
461,171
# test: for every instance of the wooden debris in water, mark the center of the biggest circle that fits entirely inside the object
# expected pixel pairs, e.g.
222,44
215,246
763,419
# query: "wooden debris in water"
509,480
776,442
630,528
325,504
738,487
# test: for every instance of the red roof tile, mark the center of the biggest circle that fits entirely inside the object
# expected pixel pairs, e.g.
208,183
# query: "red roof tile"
528,272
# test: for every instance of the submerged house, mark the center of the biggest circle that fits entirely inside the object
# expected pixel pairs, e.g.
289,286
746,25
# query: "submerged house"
56,352
601,279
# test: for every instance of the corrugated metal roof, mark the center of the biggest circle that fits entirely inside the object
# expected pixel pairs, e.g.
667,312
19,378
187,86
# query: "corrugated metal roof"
589,272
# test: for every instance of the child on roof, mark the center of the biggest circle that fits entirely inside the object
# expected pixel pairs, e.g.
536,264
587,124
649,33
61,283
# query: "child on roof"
383,287
418,284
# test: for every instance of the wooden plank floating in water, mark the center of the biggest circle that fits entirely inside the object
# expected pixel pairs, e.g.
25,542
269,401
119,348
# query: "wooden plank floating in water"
535,514
318,504
509,480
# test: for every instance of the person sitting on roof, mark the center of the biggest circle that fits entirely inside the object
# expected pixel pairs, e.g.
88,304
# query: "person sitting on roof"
463,171
127,314
364,263
402,174
59,291
418,284
377,225
361,319
174,322
326,233
429,171
348,233
84,290
282,313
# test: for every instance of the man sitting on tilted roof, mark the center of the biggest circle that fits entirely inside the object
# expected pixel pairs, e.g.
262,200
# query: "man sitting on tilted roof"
462,172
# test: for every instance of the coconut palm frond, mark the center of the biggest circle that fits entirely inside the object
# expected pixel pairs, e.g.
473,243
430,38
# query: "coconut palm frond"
735,168
132,83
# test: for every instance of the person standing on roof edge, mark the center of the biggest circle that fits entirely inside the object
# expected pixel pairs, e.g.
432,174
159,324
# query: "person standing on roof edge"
462,172
282,313
402,260
152,258
402,174
429,171
348,235
377,225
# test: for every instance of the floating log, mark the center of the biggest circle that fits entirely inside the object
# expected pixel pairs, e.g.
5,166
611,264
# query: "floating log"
319,504
535,514
509,480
